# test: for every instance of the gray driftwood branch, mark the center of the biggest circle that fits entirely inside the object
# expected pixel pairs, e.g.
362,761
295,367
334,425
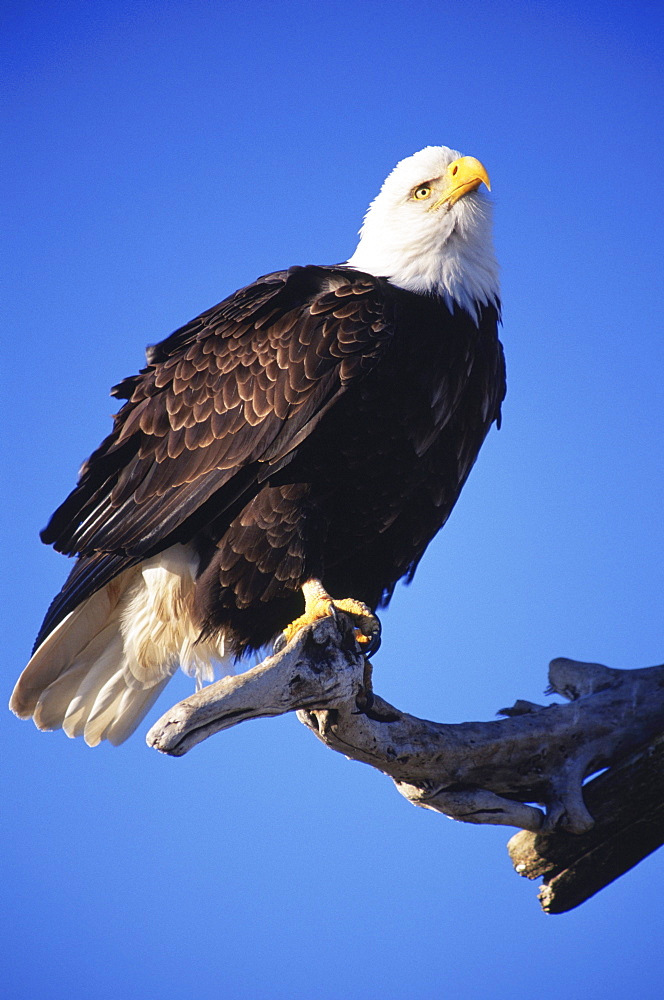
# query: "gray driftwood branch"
526,770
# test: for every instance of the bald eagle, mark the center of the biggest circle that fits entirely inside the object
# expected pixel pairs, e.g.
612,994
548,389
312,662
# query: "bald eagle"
307,436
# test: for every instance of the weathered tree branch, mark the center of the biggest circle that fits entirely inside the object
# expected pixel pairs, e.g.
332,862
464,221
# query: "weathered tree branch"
478,772
627,804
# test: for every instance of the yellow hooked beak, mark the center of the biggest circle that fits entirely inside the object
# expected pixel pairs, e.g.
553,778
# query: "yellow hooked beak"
463,175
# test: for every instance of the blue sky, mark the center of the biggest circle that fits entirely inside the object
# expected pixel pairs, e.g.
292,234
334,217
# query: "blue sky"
160,155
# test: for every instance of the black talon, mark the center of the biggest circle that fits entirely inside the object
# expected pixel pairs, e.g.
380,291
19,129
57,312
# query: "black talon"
373,645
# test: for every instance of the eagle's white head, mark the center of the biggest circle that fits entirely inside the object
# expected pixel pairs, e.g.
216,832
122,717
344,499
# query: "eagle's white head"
429,230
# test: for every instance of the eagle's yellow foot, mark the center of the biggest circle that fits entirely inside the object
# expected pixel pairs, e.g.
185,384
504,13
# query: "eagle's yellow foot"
367,626
318,604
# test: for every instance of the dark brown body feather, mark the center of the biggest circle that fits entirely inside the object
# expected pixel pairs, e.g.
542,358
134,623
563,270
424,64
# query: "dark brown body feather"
318,423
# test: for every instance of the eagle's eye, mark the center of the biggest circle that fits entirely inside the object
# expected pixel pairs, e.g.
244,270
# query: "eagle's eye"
422,192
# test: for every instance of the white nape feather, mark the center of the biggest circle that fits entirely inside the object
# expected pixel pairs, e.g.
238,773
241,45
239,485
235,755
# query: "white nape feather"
99,672
447,252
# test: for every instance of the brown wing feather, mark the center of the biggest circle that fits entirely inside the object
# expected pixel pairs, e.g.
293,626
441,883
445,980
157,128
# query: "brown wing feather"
239,387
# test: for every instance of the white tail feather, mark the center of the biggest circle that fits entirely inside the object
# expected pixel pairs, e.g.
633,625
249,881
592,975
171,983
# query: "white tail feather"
118,709
99,672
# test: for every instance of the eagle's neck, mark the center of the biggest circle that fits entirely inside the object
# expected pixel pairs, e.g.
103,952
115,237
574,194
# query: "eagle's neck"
460,266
